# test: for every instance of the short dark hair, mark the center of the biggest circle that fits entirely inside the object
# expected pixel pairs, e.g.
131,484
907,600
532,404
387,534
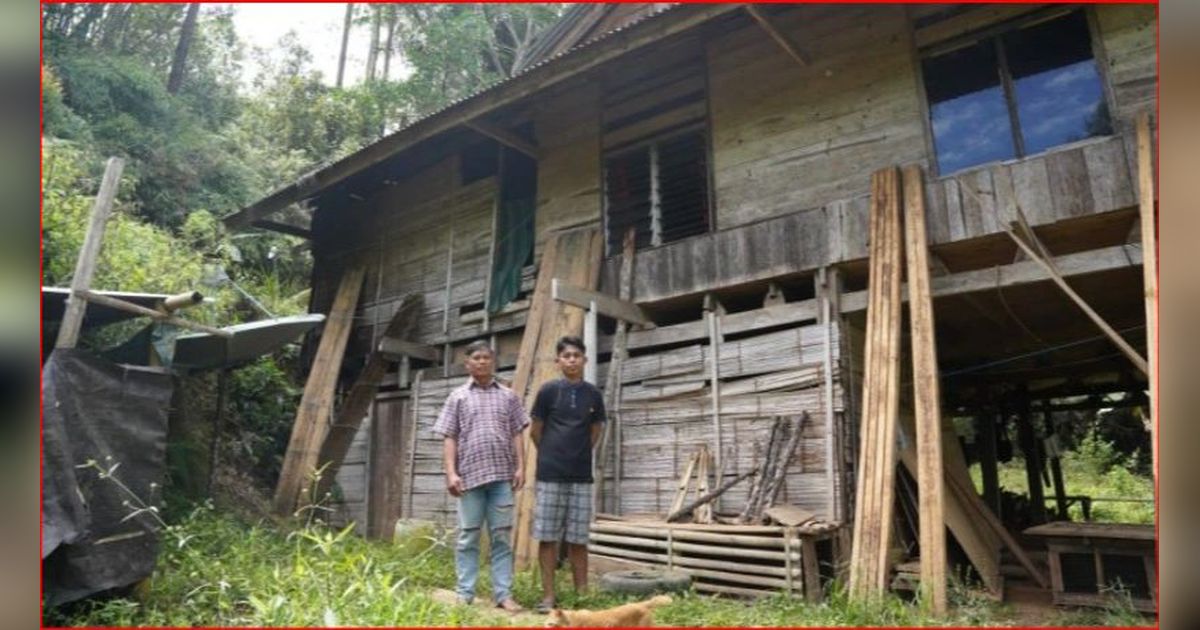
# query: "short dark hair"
569,340
479,345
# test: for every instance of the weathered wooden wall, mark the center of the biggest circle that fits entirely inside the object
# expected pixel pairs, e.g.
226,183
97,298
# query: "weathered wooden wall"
568,133
666,414
787,137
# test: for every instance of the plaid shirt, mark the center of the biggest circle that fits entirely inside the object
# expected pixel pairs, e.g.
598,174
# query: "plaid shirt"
484,420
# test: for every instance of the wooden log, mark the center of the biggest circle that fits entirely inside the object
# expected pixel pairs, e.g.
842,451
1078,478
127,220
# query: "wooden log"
181,300
709,496
316,403
358,401
926,399
89,255
1146,213
129,307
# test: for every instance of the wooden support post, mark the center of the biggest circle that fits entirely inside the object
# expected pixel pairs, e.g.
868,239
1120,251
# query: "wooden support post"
495,238
449,278
1033,462
812,569
826,290
89,255
1055,462
1149,271
316,404
412,439
610,437
926,398
590,323
713,313
218,420
985,436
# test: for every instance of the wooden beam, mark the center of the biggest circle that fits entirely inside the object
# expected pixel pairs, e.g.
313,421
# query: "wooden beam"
1149,271
535,80
89,255
612,382
785,42
1014,274
130,307
607,305
283,228
357,402
503,136
392,347
1080,302
316,404
926,398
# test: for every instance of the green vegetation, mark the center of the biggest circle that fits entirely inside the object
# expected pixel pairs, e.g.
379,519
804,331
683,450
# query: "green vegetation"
216,570
1095,467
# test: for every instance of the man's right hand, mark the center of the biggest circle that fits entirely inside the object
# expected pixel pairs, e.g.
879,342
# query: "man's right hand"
454,484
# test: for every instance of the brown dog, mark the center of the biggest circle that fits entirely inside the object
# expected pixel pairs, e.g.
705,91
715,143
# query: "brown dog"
637,614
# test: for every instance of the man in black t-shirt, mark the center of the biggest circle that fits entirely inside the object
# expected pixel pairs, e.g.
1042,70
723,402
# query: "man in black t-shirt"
568,417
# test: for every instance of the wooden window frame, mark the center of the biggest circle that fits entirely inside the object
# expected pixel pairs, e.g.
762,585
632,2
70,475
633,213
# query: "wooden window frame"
995,33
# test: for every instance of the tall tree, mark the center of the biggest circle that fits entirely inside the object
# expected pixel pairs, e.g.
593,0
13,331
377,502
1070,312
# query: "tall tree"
392,18
179,61
341,73
373,53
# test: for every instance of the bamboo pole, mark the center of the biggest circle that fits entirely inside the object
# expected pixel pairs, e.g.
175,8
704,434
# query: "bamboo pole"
1149,271
129,307
89,255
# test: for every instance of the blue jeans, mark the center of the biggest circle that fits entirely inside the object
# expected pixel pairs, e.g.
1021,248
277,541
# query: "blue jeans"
491,502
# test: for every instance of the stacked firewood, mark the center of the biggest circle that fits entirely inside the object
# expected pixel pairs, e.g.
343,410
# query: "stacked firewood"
785,437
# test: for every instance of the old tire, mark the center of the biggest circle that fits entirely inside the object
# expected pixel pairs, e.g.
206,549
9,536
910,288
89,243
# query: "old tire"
644,581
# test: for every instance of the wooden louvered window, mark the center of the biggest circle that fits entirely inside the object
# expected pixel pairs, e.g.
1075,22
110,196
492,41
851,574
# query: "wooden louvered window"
655,142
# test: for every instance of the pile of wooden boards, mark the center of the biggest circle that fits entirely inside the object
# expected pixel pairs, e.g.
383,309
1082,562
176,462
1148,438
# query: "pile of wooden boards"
881,393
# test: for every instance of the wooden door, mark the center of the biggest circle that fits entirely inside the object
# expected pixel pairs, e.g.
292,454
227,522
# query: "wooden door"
390,427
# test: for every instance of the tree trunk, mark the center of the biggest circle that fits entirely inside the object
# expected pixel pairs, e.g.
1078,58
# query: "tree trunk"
341,74
114,25
391,36
373,53
84,28
179,61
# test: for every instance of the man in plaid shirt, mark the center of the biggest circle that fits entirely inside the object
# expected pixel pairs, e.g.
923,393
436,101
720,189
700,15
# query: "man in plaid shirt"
481,425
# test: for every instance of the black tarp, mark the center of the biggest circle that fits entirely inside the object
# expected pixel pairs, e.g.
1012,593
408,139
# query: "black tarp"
115,415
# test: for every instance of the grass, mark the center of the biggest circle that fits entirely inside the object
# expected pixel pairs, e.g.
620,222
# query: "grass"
1094,468
217,570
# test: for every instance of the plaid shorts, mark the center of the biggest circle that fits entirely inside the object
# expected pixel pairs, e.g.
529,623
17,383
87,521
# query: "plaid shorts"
563,511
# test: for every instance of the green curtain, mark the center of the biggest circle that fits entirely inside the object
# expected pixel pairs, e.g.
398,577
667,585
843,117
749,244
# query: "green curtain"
514,249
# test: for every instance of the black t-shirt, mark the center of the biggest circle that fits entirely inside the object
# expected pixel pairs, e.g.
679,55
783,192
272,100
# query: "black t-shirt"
567,411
